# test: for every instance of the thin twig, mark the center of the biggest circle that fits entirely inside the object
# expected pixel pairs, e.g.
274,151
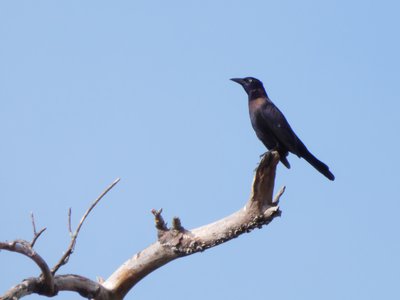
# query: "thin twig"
69,222
64,259
33,224
37,236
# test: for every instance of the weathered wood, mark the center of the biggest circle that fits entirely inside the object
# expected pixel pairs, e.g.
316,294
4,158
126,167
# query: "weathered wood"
177,242
172,243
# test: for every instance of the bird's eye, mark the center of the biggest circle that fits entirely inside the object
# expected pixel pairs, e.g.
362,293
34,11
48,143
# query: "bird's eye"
249,80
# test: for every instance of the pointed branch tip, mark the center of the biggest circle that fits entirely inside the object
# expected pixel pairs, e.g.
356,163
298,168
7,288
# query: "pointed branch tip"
33,224
37,235
279,195
64,259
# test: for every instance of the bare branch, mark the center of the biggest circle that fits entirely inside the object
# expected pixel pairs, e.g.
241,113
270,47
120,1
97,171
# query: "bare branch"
69,222
176,242
25,248
36,234
33,224
172,243
83,286
64,259
35,238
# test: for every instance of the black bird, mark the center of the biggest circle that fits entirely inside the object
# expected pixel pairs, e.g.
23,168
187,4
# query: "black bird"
273,129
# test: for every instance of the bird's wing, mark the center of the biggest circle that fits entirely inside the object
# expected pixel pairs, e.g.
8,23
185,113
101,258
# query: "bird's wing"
280,128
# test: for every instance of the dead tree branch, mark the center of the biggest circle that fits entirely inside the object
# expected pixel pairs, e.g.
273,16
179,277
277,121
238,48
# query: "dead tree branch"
36,234
25,248
177,242
64,259
47,284
172,243
73,283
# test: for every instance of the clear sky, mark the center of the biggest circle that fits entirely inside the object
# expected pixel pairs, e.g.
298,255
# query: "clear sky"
95,90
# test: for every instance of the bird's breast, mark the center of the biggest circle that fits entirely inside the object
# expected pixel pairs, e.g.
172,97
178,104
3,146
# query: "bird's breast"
255,105
255,109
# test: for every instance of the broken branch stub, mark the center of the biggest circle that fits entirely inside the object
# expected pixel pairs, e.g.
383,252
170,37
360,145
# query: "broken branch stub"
176,241
172,243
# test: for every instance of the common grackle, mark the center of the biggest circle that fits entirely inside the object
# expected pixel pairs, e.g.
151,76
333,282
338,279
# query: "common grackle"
273,129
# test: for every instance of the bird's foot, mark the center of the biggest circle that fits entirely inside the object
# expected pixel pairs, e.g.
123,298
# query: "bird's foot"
261,157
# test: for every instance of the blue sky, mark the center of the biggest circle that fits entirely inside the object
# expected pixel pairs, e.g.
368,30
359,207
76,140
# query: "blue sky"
95,90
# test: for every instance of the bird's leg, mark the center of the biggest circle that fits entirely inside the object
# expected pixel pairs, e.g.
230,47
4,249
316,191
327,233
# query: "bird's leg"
262,156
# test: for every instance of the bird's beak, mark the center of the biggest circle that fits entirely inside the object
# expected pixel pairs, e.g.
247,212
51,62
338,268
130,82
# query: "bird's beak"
238,80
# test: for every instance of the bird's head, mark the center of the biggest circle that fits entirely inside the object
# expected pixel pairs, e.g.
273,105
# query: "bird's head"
251,85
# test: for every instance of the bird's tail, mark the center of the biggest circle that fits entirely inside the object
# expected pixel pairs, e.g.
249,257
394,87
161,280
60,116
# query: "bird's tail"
317,164
284,160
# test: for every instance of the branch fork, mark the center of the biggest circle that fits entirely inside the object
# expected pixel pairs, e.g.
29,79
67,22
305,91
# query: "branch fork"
258,211
172,243
176,241
48,283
